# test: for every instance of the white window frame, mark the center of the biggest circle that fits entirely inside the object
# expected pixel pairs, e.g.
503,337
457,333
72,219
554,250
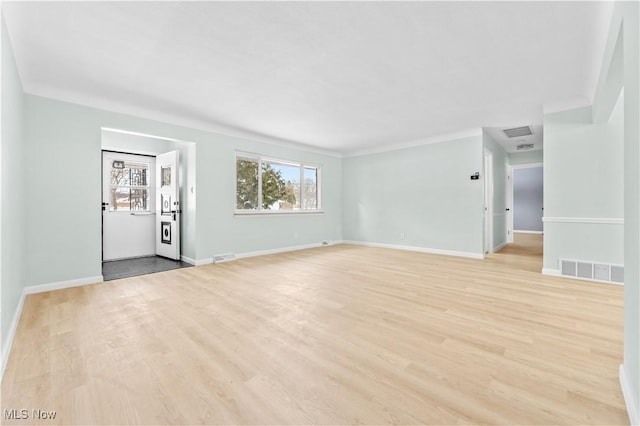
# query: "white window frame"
260,159
130,187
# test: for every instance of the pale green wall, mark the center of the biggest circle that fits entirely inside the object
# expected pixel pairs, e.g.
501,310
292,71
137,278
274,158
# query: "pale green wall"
528,157
116,141
583,178
423,192
500,161
630,12
13,222
63,144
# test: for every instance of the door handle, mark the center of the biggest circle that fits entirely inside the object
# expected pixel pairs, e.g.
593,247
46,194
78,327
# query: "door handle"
508,210
104,206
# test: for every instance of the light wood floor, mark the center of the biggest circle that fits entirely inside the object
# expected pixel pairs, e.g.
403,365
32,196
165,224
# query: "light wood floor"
333,335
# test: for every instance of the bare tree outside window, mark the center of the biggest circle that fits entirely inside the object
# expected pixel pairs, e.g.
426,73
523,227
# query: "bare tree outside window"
129,187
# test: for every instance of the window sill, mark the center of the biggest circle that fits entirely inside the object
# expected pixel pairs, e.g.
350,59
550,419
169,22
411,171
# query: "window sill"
277,212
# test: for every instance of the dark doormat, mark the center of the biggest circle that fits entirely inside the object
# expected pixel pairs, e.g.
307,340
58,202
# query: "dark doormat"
116,269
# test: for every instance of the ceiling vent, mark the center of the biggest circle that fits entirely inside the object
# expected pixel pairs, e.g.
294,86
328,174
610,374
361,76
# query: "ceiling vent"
518,132
524,146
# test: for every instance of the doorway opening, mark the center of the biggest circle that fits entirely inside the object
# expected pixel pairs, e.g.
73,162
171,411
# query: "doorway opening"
146,183
525,210
525,195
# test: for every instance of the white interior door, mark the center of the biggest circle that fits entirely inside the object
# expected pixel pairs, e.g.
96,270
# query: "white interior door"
167,206
128,205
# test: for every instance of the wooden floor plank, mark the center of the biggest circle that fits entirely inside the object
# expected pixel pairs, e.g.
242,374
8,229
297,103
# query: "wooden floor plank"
334,335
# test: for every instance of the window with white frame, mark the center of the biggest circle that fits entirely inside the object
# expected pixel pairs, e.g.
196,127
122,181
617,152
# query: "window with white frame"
265,185
129,186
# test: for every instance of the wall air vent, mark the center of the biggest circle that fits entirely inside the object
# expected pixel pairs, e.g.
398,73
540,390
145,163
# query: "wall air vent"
524,147
518,132
592,271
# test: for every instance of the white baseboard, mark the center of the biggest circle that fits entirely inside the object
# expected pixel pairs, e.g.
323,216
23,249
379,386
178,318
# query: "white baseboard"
278,250
8,343
32,289
557,273
499,247
6,349
418,249
196,262
515,231
632,408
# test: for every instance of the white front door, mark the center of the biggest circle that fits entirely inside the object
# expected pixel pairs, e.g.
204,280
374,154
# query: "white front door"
128,205
167,206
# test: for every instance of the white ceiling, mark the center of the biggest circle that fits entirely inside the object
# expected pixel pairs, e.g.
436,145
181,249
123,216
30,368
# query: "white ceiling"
340,76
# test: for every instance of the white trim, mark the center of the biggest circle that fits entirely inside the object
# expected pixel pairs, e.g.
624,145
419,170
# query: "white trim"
477,131
557,273
488,183
589,220
277,250
66,96
196,262
261,159
32,289
499,247
632,409
565,105
418,249
6,347
526,165
509,203
275,212
517,231
145,135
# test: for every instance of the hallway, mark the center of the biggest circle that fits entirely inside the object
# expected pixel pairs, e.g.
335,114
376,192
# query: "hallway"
524,254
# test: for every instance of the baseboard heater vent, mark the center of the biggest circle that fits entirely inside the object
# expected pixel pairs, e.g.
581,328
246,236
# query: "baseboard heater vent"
593,271
219,258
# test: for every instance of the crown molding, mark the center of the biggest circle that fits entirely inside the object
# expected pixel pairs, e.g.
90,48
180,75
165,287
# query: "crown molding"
443,137
167,118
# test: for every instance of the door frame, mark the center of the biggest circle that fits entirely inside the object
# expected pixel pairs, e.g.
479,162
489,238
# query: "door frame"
510,194
186,146
112,151
488,202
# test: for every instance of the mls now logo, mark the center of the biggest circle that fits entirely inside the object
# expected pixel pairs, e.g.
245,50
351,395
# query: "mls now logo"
24,414
15,414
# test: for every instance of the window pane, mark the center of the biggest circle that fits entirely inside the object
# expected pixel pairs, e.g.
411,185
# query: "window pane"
280,186
129,199
129,186
246,184
138,174
139,199
119,199
120,176
310,188
125,173
165,173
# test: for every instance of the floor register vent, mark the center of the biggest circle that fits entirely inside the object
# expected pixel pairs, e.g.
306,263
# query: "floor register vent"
592,271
